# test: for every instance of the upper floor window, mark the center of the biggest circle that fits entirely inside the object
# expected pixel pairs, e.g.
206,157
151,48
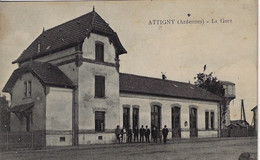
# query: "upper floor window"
99,86
27,89
99,51
39,48
99,121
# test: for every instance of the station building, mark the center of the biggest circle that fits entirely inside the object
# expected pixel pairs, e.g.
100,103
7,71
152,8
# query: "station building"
68,86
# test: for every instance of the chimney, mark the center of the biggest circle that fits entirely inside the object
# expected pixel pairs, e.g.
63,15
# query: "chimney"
163,76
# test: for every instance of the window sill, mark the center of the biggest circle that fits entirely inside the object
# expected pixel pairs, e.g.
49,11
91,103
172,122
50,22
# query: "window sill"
99,97
27,97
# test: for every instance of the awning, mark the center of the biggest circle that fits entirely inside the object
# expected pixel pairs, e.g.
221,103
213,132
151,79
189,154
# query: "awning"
21,107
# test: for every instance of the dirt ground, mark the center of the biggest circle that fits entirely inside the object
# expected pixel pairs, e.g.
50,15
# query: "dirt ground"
193,149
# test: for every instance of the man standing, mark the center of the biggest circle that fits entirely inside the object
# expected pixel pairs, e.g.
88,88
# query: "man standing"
129,135
136,134
118,132
147,134
165,133
154,134
142,130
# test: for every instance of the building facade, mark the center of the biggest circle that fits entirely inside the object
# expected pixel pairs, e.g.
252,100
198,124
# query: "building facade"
69,87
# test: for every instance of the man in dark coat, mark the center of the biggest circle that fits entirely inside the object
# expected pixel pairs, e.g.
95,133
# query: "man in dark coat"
118,132
142,130
129,135
154,134
147,134
136,134
165,133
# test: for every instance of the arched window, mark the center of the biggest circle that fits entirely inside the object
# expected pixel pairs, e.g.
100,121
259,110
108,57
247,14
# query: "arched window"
155,116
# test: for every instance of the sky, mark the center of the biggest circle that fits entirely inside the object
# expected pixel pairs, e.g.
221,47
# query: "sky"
180,50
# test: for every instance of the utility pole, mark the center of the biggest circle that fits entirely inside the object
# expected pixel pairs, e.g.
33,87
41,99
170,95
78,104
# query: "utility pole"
243,115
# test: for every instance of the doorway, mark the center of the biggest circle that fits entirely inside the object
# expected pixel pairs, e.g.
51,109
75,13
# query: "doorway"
193,122
176,123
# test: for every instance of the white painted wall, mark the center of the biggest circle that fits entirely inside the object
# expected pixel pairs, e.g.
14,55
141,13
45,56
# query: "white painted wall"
88,104
58,115
145,112
88,48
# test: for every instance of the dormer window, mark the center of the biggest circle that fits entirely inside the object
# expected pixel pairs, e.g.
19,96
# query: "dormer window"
99,51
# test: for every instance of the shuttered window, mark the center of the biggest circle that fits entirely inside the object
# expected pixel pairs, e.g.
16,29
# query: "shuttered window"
99,86
99,51
25,89
99,121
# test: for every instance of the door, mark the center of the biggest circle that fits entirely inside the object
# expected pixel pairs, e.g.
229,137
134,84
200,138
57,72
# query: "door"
176,123
126,118
193,122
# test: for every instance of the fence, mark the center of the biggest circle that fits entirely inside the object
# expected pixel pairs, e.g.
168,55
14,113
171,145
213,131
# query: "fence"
238,132
11,140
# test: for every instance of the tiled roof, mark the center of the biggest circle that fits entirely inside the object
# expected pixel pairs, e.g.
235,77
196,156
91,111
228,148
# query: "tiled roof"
45,72
70,34
166,88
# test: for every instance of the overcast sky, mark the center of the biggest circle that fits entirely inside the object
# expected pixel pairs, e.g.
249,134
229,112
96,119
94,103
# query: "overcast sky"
180,50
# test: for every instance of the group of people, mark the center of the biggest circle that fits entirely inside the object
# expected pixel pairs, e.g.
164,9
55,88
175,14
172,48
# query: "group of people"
141,135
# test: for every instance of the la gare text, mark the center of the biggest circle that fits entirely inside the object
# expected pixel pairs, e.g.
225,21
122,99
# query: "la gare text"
187,21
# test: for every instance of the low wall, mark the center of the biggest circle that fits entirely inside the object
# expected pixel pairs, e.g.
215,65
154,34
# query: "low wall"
97,138
10,140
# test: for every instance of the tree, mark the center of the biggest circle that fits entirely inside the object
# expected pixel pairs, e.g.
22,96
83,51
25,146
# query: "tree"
4,115
213,85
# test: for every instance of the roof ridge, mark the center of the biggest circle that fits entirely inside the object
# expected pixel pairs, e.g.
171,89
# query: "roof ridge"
158,79
67,22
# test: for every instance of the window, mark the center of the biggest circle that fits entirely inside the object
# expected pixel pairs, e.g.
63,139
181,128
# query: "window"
206,120
135,117
212,120
99,121
27,89
126,118
99,51
62,139
39,47
156,116
99,86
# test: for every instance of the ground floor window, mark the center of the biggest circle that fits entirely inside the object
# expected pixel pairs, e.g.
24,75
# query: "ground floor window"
99,121
206,120
155,116
126,117
212,120
135,117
